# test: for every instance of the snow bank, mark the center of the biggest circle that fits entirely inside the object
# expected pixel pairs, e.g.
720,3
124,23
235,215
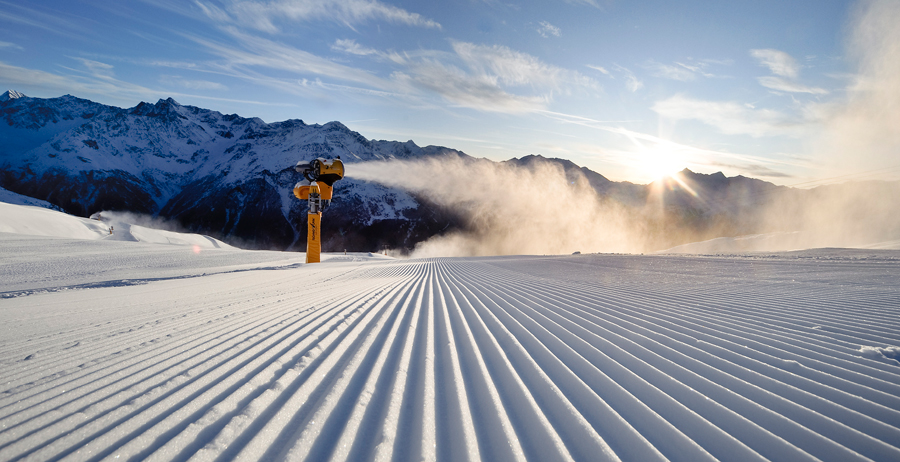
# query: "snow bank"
38,221
33,219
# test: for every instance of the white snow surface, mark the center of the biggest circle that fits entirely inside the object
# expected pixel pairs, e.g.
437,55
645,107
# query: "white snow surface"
41,220
123,350
772,242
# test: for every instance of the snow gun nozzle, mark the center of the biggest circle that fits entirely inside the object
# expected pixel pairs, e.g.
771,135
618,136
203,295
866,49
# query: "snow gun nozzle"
321,170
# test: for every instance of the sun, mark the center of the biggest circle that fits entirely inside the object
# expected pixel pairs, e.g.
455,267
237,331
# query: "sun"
657,162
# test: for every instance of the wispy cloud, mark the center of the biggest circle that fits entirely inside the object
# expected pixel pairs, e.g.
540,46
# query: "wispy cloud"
547,30
350,46
599,4
680,71
9,45
96,68
14,75
57,23
262,54
676,72
265,15
600,69
460,88
178,81
720,62
779,62
781,84
509,67
698,68
486,76
729,117
631,81
786,70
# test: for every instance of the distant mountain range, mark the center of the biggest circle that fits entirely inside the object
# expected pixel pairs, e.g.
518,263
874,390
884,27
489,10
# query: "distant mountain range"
232,177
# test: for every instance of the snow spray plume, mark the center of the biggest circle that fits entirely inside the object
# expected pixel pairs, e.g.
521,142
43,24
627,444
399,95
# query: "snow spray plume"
855,214
861,131
147,221
860,135
509,209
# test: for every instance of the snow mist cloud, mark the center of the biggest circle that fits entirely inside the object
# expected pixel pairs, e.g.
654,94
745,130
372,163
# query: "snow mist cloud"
509,209
860,141
861,131
140,219
538,207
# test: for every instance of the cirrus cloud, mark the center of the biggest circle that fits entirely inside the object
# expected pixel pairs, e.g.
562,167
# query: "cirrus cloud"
509,67
263,15
786,71
678,72
729,117
780,84
465,90
192,84
485,77
546,30
779,62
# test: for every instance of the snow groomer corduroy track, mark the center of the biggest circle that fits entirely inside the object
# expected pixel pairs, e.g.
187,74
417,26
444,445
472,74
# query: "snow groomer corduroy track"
591,357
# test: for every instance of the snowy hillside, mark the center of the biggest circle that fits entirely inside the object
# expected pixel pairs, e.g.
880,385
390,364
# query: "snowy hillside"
132,350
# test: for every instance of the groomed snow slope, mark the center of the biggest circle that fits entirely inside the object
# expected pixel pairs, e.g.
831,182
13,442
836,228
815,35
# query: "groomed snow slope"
137,351
773,242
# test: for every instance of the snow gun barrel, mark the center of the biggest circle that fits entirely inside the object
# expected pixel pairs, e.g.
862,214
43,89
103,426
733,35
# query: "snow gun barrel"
322,170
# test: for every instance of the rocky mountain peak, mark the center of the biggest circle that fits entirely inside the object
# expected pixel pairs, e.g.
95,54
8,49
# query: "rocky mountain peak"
11,95
164,108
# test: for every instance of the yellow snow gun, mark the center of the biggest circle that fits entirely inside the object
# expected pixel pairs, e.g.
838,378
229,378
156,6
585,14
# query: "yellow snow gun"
317,188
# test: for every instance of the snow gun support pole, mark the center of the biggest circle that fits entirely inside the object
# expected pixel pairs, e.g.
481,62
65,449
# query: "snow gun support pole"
316,187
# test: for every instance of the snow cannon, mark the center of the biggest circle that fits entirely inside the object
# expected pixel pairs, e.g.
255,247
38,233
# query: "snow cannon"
317,188
321,170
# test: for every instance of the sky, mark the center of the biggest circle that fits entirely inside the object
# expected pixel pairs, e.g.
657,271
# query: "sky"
777,90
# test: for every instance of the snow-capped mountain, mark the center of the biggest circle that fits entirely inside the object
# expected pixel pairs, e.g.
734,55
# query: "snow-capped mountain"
221,174
10,94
